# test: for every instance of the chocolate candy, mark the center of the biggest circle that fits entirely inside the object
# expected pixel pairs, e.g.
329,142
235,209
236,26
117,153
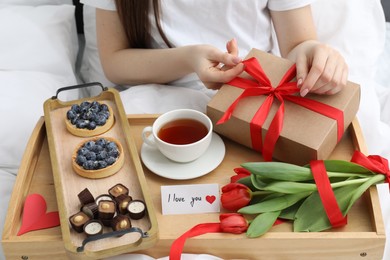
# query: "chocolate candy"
85,197
121,222
107,209
136,209
103,197
91,209
93,227
122,201
78,220
117,190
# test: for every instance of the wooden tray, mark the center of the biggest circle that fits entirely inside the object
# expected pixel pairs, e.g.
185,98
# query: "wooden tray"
68,184
362,238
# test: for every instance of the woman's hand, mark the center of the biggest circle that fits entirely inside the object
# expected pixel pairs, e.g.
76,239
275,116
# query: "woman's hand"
320,68
215,67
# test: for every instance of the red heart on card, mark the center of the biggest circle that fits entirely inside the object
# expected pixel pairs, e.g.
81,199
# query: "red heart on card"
35,216
210,199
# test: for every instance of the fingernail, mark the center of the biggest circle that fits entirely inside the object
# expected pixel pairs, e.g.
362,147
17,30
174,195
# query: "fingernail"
236,60
299,83
304,92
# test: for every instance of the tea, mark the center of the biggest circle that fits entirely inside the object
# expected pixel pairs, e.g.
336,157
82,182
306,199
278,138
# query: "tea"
182,131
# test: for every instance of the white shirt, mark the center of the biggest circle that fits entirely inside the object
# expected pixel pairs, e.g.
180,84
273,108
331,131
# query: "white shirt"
215,22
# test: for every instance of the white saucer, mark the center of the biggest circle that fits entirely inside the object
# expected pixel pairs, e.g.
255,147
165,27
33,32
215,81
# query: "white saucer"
156,162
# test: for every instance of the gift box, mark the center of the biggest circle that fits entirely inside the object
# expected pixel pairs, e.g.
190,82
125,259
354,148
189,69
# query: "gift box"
262,110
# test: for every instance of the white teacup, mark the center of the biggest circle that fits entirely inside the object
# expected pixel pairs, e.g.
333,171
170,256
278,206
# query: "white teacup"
182,135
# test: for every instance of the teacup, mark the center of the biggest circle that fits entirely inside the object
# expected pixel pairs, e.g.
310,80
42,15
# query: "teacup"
181,135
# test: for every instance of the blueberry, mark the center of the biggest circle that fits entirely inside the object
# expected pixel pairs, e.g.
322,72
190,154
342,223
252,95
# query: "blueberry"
113,153
80,160
101,142
88,165
103,107
82,151
101,155
102,164
91,125
74,120
71,114
90,156
100,119
110,160
81,123
111,146
95,165
75,108
97,148
89,145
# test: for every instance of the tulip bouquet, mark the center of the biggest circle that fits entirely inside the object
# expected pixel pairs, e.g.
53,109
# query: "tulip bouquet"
315,197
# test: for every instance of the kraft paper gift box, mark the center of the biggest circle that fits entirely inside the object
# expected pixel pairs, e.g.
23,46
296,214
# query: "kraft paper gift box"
305,134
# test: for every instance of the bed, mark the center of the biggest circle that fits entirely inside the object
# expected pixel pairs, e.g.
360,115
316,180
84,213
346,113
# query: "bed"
61,51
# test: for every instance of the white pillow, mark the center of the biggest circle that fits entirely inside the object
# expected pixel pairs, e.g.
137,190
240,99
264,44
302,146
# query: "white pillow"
41,38
356,28
21,105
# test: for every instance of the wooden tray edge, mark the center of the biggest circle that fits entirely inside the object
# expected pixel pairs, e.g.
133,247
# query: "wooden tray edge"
112,94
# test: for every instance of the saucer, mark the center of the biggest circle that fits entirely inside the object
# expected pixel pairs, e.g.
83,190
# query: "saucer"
156,162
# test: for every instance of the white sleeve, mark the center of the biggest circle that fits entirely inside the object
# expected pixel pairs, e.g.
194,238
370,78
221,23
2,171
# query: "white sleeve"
283,5
101,4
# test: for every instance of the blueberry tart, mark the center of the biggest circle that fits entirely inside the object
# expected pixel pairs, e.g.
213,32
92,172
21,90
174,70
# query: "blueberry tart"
98,157
89,119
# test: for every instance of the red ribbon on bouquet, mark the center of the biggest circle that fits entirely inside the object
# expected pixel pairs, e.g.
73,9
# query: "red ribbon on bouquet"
374,163
326,193
284,91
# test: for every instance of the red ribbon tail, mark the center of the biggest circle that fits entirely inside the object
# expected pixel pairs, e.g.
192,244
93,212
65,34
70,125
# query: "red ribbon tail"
178,244
326,193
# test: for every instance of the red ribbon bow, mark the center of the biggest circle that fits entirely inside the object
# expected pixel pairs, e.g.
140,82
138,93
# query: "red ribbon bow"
284,91
374,163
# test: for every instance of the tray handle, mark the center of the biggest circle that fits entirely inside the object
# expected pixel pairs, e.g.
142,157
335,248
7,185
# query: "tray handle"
85,85
113,234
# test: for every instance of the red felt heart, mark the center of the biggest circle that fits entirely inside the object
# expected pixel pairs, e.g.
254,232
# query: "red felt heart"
35,216
210,199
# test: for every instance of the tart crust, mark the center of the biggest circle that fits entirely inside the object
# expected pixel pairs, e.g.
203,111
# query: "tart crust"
99,173
100,129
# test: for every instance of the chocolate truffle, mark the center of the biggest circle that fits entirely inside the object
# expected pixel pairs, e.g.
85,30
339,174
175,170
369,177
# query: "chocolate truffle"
93,227
107,209
121,222
122,201
91,209
136,209
117,190
103,197
78,220
85,197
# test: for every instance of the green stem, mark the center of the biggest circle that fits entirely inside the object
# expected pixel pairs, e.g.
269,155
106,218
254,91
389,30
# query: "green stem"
261,192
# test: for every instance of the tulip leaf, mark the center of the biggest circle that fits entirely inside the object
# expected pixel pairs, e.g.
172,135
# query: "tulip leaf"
279,171
345,166
311,216
274,204
289,213
262,223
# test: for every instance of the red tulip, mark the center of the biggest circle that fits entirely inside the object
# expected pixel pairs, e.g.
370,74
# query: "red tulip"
240,173
235,196
233,223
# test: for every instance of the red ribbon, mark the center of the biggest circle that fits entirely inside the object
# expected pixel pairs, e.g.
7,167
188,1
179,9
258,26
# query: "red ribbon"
284,91
374,163
178,244
326,193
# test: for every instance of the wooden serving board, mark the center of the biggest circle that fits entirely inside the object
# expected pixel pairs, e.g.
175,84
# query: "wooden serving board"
62,145
363,237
